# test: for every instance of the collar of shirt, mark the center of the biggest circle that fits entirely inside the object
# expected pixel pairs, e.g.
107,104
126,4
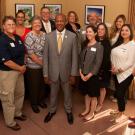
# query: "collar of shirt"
48,24
62,32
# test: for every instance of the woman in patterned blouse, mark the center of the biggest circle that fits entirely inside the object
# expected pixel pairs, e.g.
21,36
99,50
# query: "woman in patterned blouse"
34,43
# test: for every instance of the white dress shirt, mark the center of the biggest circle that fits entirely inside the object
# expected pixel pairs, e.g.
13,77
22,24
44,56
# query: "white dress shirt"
123,57
47,25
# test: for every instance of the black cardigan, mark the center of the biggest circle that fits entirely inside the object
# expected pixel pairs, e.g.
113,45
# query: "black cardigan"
69,27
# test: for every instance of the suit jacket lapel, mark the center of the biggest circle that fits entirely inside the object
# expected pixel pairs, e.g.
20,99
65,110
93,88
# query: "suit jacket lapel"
55,41
65,38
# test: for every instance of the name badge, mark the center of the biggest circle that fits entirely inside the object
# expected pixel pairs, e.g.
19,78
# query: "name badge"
20,42
12,44
83,32
93,49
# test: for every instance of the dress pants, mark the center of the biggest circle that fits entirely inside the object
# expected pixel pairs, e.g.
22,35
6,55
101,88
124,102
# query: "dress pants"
11,95
55,86
36,87
120,93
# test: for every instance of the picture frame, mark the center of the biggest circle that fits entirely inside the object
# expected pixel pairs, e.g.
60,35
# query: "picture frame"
29,10
99,10
54,9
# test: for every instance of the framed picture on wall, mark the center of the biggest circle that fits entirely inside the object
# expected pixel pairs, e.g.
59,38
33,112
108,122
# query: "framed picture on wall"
94,11
29,10
54,9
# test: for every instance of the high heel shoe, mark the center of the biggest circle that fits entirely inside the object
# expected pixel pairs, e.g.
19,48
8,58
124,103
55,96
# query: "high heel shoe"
82,115
88,119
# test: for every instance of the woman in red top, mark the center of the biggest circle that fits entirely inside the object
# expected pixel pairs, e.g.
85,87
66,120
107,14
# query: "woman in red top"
20,29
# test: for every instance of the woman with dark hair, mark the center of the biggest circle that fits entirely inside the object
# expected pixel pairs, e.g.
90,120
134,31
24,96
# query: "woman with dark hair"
20,29
123,63
114,34
12,68
104,72
90,62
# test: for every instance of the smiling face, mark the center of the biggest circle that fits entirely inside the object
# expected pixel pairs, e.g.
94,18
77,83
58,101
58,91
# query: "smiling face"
60,22
20,18
119,23
101,31
90,34
36,25
9,26
71,18
45,14
125,33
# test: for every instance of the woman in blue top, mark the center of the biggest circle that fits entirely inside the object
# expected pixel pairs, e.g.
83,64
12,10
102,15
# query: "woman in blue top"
12,68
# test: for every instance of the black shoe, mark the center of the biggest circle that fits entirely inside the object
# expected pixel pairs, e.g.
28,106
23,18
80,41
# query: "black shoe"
35,109
70,118
21,118
43,105
49,117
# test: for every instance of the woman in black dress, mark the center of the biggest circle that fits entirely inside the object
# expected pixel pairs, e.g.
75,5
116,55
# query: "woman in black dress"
73,26
104,72
90,62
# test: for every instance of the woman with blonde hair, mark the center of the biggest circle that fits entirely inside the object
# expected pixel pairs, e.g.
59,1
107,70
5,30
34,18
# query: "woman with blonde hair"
116,27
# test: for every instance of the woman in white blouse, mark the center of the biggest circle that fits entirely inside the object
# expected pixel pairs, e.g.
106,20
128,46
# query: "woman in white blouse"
123,62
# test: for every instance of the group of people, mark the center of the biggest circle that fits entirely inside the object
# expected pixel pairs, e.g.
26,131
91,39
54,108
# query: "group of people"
52,55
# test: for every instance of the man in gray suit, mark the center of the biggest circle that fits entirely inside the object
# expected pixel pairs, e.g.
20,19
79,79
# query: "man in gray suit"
60,66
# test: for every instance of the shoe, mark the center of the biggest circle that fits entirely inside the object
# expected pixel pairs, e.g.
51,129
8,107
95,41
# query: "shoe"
70,118
87,119
15,127
114,112
131,125
82,115
98,108
35,109
132,119
120,118
21,118
111,97
43,105
49,117
114,100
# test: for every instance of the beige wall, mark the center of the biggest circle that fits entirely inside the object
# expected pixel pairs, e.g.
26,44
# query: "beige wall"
112,7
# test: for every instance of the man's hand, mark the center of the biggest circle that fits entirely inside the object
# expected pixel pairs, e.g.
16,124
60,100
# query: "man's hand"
47,81
72,80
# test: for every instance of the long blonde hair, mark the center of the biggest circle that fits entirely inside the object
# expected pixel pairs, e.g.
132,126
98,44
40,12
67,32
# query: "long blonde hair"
114,29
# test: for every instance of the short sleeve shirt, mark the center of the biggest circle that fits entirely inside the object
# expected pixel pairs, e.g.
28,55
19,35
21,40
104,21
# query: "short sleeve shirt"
11,50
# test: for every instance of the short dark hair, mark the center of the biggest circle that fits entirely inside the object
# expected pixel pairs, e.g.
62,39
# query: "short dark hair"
92,27
20,11
6,18
60,14
44,8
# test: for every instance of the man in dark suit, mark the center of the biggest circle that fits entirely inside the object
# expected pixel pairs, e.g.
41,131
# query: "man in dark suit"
47,24
60,66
